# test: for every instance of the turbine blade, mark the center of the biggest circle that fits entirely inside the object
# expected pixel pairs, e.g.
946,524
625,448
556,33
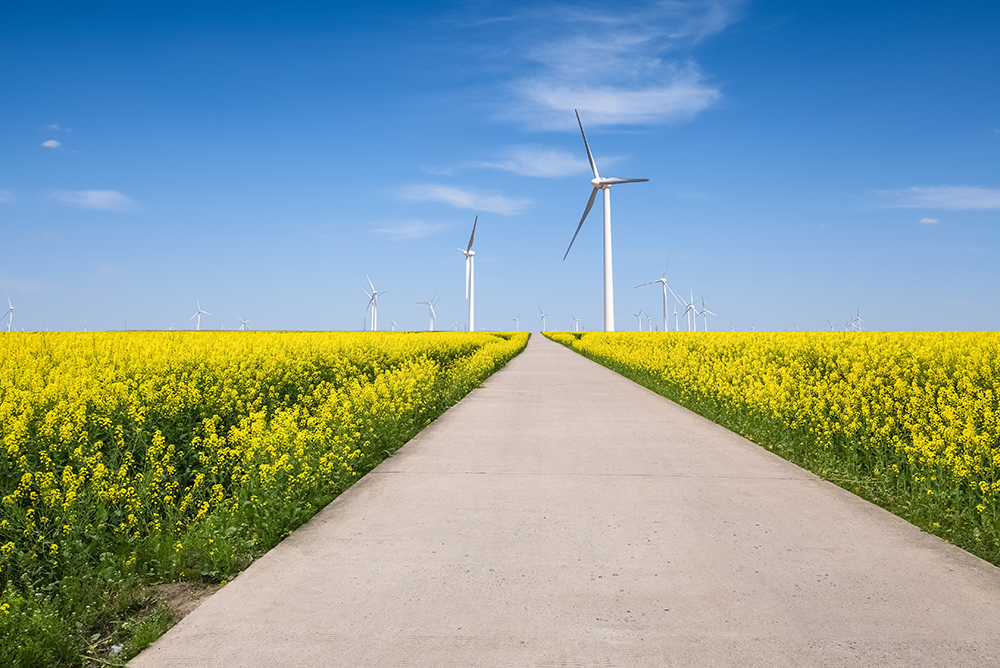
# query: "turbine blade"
590,204
473,236
615,181
370,283
590,156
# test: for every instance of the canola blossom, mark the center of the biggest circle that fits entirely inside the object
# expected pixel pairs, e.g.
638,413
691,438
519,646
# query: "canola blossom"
915,408
183,454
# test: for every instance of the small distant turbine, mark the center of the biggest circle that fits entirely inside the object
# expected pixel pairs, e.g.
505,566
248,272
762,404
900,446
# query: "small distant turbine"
517,322
832,326
244,324
604,184
470,276
393,323
373,302
431,314
638,316
666,289
198,315
649,322
543,317
858,320
577,321
455,325
9,314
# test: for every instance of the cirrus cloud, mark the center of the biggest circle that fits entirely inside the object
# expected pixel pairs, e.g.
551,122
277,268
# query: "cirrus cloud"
107,200
539,161
954,198
465,198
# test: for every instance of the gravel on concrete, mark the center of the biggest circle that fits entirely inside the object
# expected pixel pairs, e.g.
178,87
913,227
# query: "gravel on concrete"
562,515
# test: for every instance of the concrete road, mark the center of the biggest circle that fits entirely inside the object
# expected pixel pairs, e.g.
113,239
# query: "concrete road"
563,516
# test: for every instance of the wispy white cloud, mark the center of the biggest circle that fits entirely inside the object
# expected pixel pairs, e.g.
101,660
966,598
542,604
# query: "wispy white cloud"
953,198
621,65
52,143
53,126
410,229
540,161
109,200
929,221
465,198
6,197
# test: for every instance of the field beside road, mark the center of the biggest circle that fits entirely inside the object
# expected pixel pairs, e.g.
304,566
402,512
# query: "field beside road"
907,420
133,458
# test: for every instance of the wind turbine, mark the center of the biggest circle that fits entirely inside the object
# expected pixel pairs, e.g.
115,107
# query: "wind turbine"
577,321
689,308
638,316
393,323
198,315
517,322
431,313
455,325
470,276
704,313
649,321
605,185
858,319
543,317
9,314
666,288
244,324
373,302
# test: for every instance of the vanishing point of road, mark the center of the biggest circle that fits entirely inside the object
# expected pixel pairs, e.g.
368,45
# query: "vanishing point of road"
563,516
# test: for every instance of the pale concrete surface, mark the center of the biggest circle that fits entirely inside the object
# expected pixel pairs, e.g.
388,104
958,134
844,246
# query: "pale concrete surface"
563,516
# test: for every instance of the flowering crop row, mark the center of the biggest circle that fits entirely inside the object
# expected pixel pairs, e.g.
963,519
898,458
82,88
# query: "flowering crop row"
184,454
916,409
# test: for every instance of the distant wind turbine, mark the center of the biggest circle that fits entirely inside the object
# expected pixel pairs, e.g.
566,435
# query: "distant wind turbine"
858,320
244,324
393,323
198,315
666,289
9,314
704,313
431,314
373,302
470,276
605,185
638,316
689,310
543,317
517,322
577,321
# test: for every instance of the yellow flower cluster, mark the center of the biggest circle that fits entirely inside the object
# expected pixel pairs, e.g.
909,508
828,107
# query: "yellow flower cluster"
919,404
109,438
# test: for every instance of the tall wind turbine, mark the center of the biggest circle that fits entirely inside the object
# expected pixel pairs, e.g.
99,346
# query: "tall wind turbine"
470,277
198,315
373,302
666,288
244,324
9,314
704,313
577,321
605,185
433,316
543,317
689,309
517,322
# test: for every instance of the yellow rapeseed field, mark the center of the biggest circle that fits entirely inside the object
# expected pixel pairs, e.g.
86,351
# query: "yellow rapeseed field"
180,454
921,407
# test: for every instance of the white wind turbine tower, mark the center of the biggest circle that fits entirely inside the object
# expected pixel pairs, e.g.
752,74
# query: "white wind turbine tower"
9,314
431,314
517,322
470,276
666,288
704,313
649,322
244,324
393,323
577,321
638,316
689,309
858,320
543,317
373,302
198,315
605,185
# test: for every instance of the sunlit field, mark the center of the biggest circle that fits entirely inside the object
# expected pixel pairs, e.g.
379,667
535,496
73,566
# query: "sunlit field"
134,458
909,420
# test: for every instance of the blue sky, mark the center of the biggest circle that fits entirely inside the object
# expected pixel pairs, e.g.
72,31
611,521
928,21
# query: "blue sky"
806,160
